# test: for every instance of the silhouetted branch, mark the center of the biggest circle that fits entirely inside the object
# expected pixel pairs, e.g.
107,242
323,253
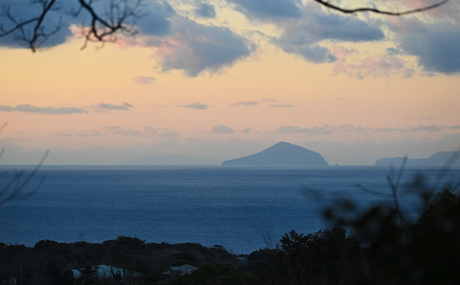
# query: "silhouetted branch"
377,11
394,190
102,27
38,35
13,190
116,20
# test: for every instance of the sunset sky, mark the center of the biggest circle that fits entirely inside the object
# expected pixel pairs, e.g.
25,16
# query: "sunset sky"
216,80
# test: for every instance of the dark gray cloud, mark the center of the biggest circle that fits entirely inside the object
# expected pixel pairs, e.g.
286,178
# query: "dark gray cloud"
222,129
156,20
302,37
245,103
26,108
205,11
122,107
195,48
437,51
264,9
312,53
340,27
197,106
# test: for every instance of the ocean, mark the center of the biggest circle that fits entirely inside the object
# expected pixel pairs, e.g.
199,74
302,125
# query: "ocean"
242,209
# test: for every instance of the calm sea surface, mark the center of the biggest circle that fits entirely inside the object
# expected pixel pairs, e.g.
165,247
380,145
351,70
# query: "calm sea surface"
233,207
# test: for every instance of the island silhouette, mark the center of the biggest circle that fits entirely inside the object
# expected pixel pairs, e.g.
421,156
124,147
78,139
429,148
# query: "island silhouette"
282,154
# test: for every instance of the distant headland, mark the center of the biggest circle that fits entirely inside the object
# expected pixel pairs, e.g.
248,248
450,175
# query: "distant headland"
282,154
439,159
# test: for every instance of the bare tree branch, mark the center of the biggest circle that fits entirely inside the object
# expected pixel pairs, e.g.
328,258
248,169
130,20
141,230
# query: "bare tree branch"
102,27
35,38
377,11
13,190
116,20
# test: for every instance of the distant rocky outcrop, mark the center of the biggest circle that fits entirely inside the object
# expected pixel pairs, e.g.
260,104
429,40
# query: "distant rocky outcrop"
438,159
282,154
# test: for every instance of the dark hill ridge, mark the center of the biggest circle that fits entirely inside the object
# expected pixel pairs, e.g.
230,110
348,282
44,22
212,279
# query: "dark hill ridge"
282,154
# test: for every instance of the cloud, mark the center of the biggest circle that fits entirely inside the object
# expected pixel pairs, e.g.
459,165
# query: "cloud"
195,48
302,37
205,11
374,66
143,132
248,130
435,43
325,129
269,100
156,21
146,131
26,108
245,103
449,10
282,106
123,107
417,128
197,106
437,51
222,129
142,80
313,53
264,9
313,131
422,128
82,133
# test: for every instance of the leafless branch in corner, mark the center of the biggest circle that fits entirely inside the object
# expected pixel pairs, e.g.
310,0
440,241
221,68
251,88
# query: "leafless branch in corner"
118,17
31,31
378,11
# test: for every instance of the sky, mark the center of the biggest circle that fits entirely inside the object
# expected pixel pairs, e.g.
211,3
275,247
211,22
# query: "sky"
217,80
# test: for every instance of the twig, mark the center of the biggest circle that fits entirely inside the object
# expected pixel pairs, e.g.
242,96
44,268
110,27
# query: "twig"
377,11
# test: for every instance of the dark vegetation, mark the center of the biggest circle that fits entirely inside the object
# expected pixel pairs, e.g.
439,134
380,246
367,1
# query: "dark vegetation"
50,262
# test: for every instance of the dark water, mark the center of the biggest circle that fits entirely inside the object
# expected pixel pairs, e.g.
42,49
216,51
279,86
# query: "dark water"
233,207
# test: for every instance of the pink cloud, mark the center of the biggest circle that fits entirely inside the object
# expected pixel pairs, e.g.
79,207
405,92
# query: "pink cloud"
142,80
374,66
